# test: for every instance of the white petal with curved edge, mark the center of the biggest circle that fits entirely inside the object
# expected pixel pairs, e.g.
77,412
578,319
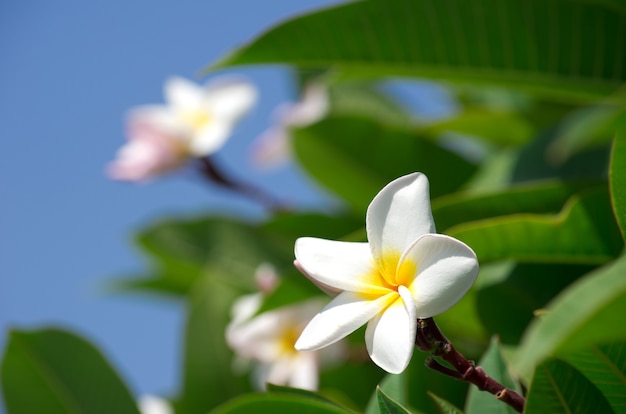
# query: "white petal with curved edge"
398,215
305,371
446,269
342,316
183,94
340,265
210,138
390,337
229,98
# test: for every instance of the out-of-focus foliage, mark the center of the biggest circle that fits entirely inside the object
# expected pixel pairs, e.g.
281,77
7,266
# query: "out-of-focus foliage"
528,168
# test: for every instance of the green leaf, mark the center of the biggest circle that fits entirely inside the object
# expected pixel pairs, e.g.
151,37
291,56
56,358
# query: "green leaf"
444,406
546,196
278,389
291,290
478,401
53,371
605,366
583,232
208,379
558,387
507,294
182,251
502,128
387,405
277,403
588,312
394,386
350,156
586,128
617,179
564,49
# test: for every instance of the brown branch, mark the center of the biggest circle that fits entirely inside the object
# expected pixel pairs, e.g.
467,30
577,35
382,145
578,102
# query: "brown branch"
430,339
212,173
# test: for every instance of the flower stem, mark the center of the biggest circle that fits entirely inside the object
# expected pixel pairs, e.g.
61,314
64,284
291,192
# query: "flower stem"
211,172
430,339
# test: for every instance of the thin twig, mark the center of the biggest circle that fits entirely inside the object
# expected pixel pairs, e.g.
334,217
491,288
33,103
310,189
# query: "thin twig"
211,172
430,338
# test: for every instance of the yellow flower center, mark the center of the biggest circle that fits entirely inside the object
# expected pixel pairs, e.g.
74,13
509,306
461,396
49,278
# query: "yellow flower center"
388,275
287,340
196,119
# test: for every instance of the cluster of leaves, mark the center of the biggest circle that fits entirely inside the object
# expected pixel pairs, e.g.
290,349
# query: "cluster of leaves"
543,205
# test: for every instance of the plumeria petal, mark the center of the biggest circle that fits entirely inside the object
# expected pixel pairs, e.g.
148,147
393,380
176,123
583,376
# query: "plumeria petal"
398,215
229,98
305,371
210,138
446,269
342,316
183,94
390,337
341,265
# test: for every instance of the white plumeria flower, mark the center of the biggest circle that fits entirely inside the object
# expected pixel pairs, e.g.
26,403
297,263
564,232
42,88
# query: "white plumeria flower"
195,121
404,272
149,404
273,147
269,340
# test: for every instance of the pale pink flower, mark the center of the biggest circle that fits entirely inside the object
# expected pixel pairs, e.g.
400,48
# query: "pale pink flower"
273,147
195,121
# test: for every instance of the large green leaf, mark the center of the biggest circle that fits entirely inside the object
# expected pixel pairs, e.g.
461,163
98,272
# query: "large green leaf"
478,401
588,312
56,372
605,366
617,177
537,197
558,387
583,232
277,403
352,157
208,378
571,49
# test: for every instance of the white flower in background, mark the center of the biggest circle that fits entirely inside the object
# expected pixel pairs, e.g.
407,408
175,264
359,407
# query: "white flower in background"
269,338
273,147
149,404
195,121
404,272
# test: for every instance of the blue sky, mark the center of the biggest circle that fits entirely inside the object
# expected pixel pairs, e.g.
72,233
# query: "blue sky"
70,69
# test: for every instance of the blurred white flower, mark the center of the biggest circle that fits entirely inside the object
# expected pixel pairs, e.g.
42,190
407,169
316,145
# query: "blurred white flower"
273,147
268,339
195,121
149,404
404,272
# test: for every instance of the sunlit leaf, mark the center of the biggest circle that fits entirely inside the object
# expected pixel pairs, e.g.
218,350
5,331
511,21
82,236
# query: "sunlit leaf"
605,366
617,177
56,372
559,48
351,157
547,196
277,403
583,232
588,312
557,387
